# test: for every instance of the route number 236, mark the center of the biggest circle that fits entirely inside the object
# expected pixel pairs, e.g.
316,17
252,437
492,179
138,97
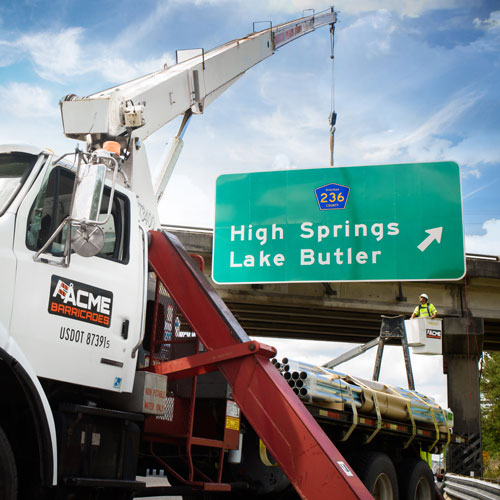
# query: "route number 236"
331,197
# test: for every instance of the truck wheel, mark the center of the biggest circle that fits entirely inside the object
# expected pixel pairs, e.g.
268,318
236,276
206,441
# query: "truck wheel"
8,472
377,473
416,481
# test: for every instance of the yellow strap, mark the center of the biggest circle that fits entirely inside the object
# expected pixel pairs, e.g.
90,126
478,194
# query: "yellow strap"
431,409
375,402
263,455
410,413
330,375
379,419
358,382
354,415
413,426
447,431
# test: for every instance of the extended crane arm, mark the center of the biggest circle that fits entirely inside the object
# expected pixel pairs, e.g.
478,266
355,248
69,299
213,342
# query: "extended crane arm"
148,103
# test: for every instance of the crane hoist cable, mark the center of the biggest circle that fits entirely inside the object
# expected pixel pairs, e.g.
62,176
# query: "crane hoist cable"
333,114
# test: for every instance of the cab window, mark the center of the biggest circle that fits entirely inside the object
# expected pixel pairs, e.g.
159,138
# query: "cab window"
52,206
14,170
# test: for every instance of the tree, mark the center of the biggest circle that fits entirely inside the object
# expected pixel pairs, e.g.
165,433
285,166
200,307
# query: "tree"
490,412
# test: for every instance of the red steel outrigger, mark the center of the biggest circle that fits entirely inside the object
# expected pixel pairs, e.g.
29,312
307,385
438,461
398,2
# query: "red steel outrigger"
310,460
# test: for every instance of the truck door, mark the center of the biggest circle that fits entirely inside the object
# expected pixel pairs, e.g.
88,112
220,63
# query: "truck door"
78,324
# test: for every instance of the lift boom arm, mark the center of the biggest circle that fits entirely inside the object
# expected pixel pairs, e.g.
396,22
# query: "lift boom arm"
148,103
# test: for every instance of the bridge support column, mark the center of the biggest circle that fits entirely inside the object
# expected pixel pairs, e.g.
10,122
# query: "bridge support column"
462,348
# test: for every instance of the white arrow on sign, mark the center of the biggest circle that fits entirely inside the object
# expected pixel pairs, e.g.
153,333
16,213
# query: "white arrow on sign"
434,234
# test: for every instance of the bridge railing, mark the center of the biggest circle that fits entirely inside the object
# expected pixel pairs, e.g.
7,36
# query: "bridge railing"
478,256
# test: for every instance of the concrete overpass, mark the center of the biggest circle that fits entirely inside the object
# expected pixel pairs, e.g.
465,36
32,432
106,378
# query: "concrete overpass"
350,312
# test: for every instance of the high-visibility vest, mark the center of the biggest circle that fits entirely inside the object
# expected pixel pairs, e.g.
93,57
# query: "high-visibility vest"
426,310
426,457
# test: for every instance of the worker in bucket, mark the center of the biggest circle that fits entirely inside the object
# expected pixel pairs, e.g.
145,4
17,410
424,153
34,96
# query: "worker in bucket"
424,309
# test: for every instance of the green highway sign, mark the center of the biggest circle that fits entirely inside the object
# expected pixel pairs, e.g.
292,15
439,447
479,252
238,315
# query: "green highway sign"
372,223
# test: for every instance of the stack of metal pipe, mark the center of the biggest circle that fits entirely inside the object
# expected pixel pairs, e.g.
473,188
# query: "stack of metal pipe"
318,384
310,382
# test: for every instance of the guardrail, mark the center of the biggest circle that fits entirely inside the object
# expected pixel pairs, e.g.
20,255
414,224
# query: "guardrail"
187,229
469,488
479,256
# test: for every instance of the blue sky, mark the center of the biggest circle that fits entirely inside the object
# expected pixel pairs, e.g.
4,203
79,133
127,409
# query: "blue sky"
415,80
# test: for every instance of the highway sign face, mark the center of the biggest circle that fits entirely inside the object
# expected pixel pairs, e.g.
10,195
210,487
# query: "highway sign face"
373,223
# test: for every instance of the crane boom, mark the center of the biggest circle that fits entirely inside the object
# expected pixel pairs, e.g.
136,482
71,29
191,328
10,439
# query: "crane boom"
146,104
132,111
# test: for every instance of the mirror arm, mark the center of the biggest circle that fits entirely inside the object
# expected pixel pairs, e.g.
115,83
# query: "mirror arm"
67,246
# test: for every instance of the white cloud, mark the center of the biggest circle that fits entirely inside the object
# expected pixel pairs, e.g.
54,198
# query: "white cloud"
28,101
474,172
487,243
373,32
493,21
64,55
55,55
115,69
8,53
67,53
410,8
281,162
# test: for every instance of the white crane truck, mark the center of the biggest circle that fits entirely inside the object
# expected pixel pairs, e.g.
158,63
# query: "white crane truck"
98,309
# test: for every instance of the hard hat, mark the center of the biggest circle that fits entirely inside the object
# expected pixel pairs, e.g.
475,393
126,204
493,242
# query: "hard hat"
424,295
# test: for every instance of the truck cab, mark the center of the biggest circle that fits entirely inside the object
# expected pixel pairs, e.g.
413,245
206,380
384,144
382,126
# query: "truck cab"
81,322
70,325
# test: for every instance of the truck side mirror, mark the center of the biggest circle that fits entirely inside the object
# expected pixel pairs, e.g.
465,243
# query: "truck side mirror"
86,218
87,198
88,237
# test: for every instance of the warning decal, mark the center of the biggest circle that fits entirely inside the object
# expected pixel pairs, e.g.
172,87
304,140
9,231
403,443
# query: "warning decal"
233,423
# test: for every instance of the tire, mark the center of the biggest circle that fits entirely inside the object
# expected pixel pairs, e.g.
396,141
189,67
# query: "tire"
8,471
377,473
416,481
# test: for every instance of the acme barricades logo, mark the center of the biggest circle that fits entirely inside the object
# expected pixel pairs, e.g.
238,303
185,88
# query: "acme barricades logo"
332,196
432,334
75,300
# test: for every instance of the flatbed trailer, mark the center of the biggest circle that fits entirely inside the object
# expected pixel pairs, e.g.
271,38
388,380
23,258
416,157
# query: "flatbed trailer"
337,423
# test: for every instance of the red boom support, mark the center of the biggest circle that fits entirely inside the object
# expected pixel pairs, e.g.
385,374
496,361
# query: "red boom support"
310,460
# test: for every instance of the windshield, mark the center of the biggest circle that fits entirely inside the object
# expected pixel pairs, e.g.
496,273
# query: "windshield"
14,169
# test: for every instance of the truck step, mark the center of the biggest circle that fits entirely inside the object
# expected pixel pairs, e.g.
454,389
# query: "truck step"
89,482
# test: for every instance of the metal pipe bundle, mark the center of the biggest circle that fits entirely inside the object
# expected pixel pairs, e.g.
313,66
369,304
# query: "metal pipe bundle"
314,383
